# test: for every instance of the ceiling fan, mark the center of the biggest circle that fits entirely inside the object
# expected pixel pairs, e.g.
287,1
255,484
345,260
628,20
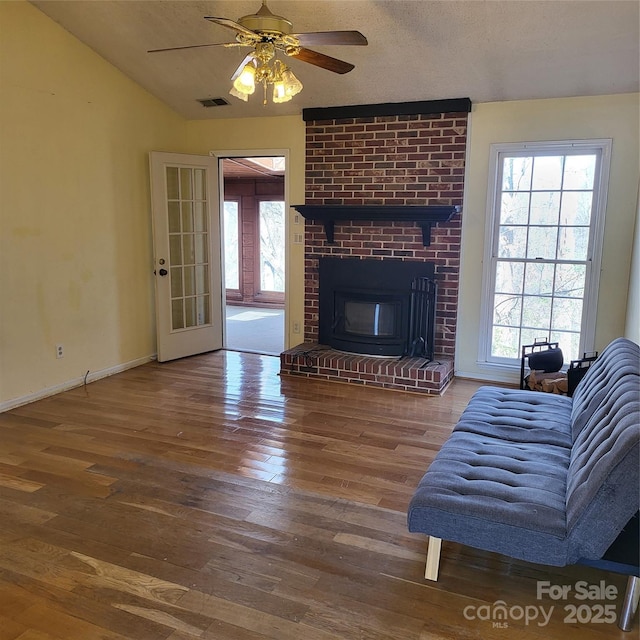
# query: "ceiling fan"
267,34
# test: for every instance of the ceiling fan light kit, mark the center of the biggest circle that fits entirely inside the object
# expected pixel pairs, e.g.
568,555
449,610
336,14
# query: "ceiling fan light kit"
269,34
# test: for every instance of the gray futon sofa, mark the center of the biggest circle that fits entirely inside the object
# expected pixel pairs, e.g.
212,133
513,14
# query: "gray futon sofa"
541,477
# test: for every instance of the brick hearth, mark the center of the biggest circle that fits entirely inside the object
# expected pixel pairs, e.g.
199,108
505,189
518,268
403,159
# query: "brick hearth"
404,374
416,158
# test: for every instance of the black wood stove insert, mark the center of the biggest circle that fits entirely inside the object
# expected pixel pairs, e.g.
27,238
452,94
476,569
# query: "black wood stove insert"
377,307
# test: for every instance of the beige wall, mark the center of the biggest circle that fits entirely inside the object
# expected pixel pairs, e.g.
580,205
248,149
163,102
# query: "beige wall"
75,244
615,117
251,135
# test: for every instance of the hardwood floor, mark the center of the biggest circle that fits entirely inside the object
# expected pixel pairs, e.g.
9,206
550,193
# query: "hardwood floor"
208,498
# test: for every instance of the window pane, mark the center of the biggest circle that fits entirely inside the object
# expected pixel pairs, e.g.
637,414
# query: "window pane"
545,207
536,313
516,174
512,242
573,243
569,343
547,173
576,208
539,279
542,243
579,172
506,310
509,277
271,245
567,314
231,251
570,279
505,343
515,208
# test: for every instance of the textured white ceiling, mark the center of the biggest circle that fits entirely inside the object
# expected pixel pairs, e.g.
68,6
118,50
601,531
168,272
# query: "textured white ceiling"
487,50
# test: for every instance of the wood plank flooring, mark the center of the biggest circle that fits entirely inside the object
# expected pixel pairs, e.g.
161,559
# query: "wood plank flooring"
209,498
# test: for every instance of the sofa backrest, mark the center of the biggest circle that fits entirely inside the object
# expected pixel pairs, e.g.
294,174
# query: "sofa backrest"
603,481
619,360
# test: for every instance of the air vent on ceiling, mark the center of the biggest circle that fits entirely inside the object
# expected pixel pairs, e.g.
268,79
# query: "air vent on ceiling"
212,102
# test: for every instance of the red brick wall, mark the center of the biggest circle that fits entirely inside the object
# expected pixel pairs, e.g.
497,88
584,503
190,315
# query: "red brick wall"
388,160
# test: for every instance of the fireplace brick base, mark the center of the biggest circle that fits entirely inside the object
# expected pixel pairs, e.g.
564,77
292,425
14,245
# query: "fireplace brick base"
312,360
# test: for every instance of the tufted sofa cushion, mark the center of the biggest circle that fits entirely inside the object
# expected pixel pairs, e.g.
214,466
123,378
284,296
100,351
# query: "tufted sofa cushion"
614,365
499,482
537,476
603,480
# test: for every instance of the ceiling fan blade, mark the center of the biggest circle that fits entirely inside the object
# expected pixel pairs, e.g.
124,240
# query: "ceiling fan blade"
231,24
242,65
331,37
324,61
199,46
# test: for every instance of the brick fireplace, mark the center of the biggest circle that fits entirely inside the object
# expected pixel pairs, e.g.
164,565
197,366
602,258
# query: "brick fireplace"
389,158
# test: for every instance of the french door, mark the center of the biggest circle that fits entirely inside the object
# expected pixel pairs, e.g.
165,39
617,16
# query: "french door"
187,255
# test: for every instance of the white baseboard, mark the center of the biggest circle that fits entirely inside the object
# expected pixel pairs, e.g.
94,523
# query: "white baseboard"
92,376
493,376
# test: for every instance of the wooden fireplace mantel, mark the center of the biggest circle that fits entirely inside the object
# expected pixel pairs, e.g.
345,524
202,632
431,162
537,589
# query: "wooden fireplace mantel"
424,216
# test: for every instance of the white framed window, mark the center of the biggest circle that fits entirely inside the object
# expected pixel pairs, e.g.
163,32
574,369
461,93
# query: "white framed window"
543,247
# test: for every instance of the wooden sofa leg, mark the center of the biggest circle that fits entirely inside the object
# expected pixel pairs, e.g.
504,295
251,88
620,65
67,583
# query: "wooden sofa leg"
433,558
630,603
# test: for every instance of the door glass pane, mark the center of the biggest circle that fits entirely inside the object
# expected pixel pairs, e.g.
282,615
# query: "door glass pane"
200,244
177,314
271,245
188,247
200,217
189,281
175,249
202,281
176,282
186,192
187,217
190,316
231,248
173,192
199,184
174,217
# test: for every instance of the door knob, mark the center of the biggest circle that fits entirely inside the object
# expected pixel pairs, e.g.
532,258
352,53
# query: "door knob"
163,272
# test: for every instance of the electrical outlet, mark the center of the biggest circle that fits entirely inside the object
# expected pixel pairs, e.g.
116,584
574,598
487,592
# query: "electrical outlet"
298,238
296,218
296,327
59,351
